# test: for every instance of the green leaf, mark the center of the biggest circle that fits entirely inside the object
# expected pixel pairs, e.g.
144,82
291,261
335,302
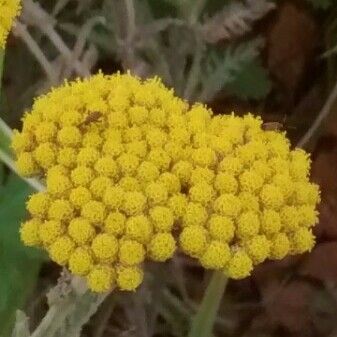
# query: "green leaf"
19,265
222,68
2,58
250,82
321,4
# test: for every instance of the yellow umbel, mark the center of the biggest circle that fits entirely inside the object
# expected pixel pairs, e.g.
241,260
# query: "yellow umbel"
133,173
9,9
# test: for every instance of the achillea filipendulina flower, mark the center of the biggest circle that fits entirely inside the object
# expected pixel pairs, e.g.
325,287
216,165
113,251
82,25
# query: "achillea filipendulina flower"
133,173
9,9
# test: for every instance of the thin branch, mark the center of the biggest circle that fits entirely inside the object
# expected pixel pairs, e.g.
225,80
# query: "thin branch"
320,118
57,41
5,129
2,60
127,44
195,10
193,76
81,41
59,6
235,20
20,30
131,19
34,14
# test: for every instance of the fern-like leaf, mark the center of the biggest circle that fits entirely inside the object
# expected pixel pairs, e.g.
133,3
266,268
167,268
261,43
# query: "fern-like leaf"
221,69
235,19
251,82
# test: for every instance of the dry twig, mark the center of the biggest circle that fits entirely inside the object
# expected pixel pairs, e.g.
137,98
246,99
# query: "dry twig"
235,20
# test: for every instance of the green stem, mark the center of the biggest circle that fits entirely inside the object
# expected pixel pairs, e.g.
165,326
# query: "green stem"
2,59
5,139
203,321
193,76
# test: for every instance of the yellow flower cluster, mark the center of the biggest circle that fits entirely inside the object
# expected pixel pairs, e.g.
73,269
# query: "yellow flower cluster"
133,172
9,9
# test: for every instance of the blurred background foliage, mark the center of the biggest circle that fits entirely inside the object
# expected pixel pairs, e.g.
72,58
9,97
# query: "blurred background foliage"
273,58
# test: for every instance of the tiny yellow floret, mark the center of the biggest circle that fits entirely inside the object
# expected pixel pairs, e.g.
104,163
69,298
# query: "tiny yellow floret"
195,214
94,211
26,164
228,205
101,278
248,225
114,197
81,231
216,255
178,203
50,230
105,247
221,228
29,232
156,193
139,228
38,204
134,203
239,266
162,218
81,261
115,224
280,246
302,241
162,247
258,248
193,240
79,196
60,251
129,278
131,253
60,209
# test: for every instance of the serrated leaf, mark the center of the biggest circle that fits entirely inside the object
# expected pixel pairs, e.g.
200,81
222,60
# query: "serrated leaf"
321,4
19,265
250,82
220,69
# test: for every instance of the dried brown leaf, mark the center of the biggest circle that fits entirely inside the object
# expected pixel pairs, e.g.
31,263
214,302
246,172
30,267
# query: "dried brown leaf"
287,305
291,41
321,263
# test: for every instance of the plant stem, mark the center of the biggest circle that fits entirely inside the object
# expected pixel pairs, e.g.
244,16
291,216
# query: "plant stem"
203,321
323,114
193,76
7,133
2,59
20,30
195,10
71,305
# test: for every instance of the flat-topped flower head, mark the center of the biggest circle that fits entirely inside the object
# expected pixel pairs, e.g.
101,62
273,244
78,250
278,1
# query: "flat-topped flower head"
134,173
9,9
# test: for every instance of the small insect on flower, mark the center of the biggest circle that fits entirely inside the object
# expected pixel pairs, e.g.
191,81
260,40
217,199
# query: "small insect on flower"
272,126
93,117
277,125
